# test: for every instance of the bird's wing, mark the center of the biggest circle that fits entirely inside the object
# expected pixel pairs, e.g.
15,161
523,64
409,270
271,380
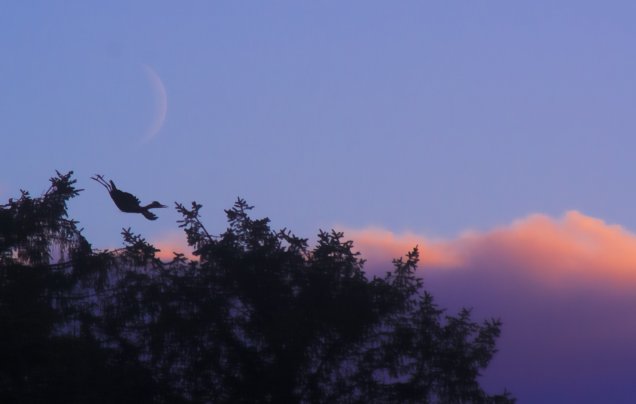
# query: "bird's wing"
128,198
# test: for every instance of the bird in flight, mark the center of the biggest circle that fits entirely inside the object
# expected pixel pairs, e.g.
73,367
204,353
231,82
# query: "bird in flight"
128,202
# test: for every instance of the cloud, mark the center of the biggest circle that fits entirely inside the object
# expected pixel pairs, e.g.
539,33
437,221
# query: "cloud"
565,289
570,249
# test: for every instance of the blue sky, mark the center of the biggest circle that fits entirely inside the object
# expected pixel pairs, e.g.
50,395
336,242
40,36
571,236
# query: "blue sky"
417,116
429,117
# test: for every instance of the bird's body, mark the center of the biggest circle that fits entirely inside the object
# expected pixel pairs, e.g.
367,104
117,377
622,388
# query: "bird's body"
127,202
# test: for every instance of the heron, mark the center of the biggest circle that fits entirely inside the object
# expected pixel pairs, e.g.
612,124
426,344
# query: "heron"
127,202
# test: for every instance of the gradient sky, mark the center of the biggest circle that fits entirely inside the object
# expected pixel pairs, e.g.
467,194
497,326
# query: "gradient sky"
499,135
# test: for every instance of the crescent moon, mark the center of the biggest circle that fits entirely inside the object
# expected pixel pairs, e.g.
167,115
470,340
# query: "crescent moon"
161,103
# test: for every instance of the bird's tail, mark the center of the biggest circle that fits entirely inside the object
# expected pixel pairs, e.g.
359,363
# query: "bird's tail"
148,214
154,205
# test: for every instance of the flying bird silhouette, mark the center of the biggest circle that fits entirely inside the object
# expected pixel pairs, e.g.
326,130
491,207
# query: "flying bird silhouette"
128,202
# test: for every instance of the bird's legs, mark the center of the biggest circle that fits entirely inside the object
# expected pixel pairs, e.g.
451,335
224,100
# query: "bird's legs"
101,180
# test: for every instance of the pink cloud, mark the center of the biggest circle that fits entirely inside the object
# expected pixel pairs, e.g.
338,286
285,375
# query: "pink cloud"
565,289
569,249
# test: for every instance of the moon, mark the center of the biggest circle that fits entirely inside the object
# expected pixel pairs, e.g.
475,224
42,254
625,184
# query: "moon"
161,103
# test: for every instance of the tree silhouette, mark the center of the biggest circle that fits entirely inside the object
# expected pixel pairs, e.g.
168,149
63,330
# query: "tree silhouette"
260,316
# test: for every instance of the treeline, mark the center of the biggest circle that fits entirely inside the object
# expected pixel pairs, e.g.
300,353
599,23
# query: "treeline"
260,316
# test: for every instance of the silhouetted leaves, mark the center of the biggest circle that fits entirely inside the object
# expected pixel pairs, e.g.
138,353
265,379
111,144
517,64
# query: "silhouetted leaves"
260,317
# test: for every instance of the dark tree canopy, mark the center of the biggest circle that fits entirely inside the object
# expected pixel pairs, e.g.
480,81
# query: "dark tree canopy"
260,317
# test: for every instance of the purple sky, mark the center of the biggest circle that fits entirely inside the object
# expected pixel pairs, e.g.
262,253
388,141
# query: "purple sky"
423,118
565,289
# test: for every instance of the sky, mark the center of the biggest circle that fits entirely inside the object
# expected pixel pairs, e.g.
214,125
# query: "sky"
497,135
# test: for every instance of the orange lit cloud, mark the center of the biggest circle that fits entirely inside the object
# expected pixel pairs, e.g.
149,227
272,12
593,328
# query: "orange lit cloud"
575,246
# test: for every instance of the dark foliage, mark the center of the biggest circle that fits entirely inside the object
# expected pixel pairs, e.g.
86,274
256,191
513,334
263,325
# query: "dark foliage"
259,317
